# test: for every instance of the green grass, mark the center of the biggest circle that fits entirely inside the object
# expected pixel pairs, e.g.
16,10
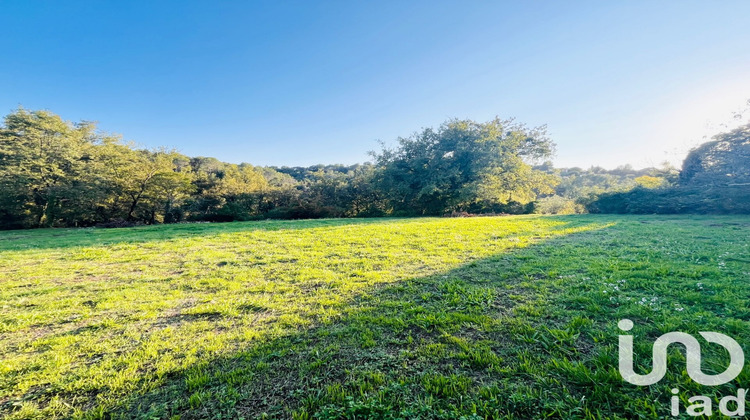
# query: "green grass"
511,317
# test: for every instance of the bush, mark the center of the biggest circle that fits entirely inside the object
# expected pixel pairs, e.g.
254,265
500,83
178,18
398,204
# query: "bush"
513,207
676,200
557,205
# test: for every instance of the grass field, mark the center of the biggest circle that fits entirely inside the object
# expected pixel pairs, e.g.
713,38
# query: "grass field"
503,317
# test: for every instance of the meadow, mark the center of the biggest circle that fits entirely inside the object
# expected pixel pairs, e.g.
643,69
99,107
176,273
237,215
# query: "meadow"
473,318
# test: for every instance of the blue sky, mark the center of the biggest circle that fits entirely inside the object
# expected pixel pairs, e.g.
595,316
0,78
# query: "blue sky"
299,83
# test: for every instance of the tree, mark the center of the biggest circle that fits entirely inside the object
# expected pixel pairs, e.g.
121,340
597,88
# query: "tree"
463,164
44,168
724,161
225,191
145,184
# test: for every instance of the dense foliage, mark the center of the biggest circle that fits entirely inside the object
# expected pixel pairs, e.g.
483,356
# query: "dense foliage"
56,173
579,187
465,166
715,179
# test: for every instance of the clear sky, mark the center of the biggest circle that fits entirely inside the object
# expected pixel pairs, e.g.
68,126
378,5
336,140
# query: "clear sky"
299,83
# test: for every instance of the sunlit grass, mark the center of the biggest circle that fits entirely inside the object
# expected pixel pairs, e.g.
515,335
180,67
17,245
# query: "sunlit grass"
494,317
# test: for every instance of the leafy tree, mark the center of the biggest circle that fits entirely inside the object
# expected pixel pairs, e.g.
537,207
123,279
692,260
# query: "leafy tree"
226,191
142,183
464,163
724,161
43,167
342,191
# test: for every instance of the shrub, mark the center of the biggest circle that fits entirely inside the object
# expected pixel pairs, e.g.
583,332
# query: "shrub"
676,200
557,205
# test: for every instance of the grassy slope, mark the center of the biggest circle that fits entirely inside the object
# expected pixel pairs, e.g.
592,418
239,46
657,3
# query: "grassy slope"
493,317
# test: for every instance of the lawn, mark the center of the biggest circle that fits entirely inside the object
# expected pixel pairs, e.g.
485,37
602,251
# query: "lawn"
492,317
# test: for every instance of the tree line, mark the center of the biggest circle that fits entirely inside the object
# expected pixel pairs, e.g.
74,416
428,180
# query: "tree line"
54,173
57,173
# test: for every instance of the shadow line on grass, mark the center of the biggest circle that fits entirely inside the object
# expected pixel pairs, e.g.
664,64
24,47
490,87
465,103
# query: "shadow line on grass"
379,339
421,341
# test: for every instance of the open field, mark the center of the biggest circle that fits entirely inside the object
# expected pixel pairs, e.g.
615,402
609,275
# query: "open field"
505,317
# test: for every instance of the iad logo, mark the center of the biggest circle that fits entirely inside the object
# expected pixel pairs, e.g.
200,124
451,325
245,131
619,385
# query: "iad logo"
702,404
692,352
